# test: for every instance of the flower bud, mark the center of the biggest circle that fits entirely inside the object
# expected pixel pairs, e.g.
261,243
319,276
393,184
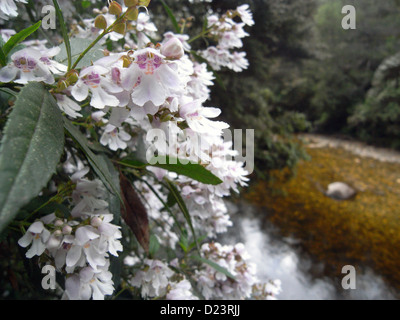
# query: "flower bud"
100,22
132,14
67,230
96,222
131,3
126,61
173,49
72,77
115,8
120,28
58,223
62,85
144,3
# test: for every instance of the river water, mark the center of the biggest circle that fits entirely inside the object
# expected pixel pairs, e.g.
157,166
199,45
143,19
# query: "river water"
281,258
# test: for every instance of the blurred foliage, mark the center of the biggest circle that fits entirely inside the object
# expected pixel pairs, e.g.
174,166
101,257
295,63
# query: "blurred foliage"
342,71
364,232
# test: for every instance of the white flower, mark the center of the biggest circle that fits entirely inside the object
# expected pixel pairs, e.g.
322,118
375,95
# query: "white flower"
38,235
197,118
93,79
27,66
9,8
154,280
245,14
115,138
150,78
109,233
69,106
54,66
238,62
86,247
181,291
89,283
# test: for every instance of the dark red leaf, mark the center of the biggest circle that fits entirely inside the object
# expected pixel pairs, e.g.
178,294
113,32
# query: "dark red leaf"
134,213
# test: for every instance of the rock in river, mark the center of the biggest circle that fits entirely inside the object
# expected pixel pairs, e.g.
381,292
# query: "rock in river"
340,191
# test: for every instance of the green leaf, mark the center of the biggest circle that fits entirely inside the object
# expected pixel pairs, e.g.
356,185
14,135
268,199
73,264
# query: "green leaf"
194,171
19,37
79,45
215,266
64,32
113,199
98,163
182,206
31,149
154,245
171,16
3,58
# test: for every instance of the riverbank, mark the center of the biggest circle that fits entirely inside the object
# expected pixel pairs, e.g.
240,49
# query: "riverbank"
364,231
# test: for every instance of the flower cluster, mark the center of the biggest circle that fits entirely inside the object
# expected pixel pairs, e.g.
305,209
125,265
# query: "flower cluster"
79,247
217,285
140,96
228,34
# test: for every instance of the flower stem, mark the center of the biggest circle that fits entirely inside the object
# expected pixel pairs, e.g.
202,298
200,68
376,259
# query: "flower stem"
104,33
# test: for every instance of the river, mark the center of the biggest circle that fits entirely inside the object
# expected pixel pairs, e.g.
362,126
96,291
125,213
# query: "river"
281,258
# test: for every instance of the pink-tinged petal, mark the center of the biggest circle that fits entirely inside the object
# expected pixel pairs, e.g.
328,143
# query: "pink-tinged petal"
130,77
80,91
149,90
111,86
189,108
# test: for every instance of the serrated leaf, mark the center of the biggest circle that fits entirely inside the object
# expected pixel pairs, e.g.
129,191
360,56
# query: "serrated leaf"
30,151
19,37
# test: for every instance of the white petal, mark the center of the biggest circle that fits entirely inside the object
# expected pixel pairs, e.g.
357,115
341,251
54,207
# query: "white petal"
80,91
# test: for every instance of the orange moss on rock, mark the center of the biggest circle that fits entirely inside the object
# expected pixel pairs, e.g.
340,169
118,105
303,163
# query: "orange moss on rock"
364,231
